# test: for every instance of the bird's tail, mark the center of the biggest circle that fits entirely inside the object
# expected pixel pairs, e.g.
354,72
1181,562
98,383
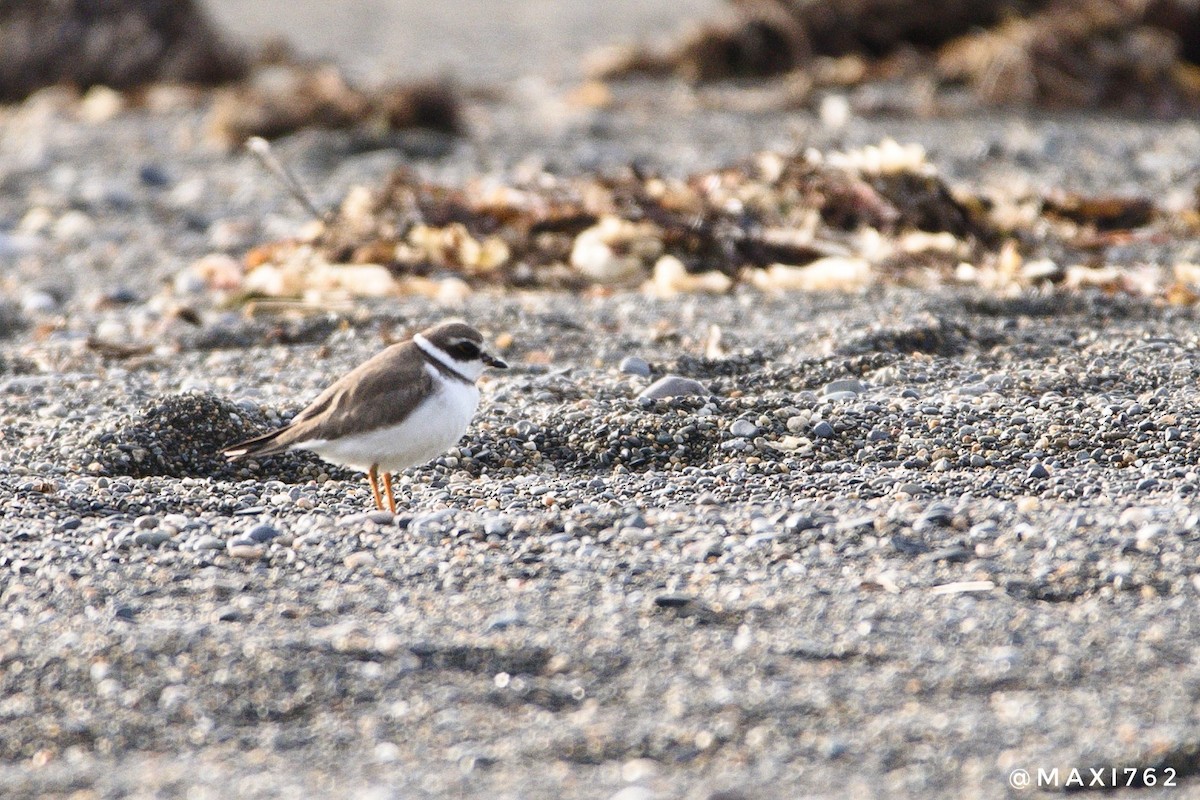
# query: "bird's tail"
264,445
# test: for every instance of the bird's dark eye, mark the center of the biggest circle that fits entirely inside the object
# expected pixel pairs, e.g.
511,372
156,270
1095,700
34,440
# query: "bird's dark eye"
465,351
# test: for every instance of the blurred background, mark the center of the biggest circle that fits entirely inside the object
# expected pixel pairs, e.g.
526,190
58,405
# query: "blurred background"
474,40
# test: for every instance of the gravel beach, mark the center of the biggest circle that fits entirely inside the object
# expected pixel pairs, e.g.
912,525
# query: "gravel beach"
903,542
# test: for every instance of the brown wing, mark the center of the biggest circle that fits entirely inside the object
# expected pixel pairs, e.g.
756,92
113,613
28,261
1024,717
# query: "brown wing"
372,395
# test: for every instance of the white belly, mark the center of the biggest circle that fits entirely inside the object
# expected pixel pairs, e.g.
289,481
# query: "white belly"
432,429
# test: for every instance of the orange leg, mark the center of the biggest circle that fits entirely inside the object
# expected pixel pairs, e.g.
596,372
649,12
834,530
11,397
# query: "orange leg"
387,485
372,478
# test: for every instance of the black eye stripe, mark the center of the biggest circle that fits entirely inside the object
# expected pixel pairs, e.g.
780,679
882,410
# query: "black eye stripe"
464,351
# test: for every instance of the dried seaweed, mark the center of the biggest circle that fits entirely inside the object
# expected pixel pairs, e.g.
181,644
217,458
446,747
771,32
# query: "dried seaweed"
118,43
282,96
132,45
1102,213
804,221
780,211
1119,54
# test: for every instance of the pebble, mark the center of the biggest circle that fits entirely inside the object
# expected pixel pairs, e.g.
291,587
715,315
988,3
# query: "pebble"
38,302
637,770
1039,470
154,176
936,515
632,365
799,522
850,385
246,552
262,533
175,521
743,428
73,226
823,430
760,539
387,752
673,600
152,538
504,619
497,526
145,522
187,282
673,386
208,542
359,559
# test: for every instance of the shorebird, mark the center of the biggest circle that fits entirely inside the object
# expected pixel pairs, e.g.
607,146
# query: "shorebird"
401,408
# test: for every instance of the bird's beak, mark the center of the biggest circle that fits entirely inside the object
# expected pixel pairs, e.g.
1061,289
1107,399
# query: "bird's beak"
492,361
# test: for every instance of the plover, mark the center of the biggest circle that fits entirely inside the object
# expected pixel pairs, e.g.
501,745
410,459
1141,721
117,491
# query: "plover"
399,409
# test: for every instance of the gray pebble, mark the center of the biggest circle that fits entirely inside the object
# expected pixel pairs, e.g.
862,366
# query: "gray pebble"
1039,470
176,521
504,619
673,386
759,539
208,542
310,538
262,533
151,538
496,526
635,520
632,365
145,522
761,525
823,430
799,522
744,428
937,515
851,385
252,511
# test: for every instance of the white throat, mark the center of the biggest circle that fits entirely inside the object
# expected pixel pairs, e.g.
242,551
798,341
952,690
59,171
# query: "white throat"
471,370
